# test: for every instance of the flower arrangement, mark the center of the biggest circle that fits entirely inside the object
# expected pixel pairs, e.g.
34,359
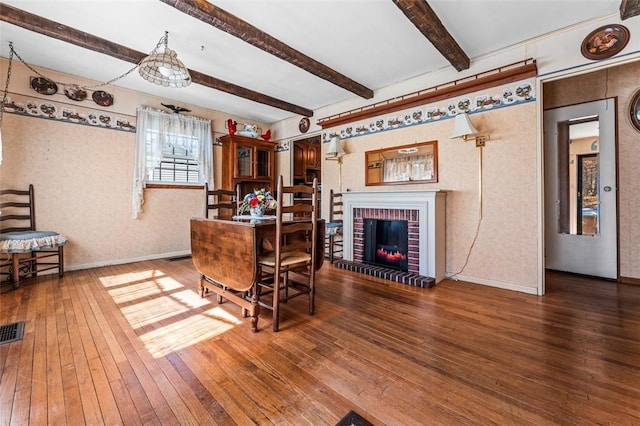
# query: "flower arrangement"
259,199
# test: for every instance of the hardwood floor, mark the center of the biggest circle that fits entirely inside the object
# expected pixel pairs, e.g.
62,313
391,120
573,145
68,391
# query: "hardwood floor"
135,344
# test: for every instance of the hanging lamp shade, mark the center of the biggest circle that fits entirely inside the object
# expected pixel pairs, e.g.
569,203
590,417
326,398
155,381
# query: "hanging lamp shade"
162,66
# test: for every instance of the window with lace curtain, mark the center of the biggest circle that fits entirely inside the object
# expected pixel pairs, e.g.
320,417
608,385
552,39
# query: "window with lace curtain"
170,149
179,162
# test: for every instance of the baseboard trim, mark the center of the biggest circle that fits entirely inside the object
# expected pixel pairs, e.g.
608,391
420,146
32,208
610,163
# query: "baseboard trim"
128,260
498,284
629,280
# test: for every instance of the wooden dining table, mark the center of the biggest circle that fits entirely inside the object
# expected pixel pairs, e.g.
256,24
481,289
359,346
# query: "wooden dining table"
225,251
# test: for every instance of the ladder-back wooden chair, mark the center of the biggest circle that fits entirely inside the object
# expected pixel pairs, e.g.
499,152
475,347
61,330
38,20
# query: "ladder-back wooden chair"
333,235
220,202
289,270
28,251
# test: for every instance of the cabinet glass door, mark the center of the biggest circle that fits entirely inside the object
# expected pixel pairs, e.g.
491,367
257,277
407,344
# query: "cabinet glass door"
263,163
244,161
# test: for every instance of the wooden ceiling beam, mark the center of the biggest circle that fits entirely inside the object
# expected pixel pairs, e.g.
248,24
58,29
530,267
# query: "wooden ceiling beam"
71,35
629,9
231,24
428,23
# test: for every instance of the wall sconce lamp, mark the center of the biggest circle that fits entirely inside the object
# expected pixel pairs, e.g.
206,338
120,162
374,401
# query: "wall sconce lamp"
162,66
335,153
464,128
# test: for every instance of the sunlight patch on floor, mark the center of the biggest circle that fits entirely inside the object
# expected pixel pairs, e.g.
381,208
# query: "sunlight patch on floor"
162,307
153,300
188,331
131,277
143,289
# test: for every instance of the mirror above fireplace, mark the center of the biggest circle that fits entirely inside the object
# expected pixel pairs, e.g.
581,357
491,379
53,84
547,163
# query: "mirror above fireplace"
415,163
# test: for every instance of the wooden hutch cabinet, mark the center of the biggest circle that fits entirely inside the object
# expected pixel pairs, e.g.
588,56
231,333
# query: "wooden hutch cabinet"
249,162
313,156
307,159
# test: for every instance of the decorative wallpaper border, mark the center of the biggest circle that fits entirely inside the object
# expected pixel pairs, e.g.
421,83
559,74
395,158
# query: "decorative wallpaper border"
505,97
524,92
282,146
53,111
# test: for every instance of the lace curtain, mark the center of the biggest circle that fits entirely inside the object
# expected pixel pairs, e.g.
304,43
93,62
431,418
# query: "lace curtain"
408,168
149,151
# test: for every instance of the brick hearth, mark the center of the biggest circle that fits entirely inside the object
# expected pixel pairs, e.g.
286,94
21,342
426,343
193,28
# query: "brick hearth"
410,278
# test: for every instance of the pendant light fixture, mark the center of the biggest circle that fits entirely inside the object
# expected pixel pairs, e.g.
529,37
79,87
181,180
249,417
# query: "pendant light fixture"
163,67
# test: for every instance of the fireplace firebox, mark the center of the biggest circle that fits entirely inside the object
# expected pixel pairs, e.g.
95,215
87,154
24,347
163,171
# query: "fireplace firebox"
386,243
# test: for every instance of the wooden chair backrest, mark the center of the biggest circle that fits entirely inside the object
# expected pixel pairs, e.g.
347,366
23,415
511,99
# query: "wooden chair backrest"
221,199
335,207
17,210
299,234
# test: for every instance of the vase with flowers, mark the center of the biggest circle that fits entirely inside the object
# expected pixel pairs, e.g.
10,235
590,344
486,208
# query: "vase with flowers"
257,202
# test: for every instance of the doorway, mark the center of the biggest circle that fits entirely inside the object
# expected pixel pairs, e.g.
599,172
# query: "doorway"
580,189
307,164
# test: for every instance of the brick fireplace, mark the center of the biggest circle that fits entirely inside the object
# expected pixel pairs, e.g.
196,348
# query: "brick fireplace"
423,210
411,216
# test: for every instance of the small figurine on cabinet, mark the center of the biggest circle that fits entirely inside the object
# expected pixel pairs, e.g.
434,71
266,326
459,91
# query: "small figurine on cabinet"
231,126
250,131
267,135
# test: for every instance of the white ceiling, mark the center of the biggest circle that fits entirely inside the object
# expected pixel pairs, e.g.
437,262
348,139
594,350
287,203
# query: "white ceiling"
369,41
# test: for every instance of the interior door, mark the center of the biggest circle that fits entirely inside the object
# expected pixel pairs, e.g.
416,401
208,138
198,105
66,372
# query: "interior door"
580,189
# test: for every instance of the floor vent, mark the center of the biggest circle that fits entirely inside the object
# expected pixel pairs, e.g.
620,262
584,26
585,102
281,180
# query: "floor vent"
174,259
11,332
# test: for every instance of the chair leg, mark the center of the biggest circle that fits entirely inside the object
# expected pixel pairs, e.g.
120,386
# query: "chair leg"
312,290
276,301
33,265
61,261
285,281
331,248
15,264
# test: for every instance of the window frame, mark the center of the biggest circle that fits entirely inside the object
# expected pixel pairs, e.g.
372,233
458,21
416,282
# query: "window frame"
155,173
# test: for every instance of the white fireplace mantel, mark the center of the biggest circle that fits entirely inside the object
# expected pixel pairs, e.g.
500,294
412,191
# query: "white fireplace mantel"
431,213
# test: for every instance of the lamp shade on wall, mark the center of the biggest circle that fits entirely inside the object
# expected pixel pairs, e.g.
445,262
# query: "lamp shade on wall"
463,127
335,148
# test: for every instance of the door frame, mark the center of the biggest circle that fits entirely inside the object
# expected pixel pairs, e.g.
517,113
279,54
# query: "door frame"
540,81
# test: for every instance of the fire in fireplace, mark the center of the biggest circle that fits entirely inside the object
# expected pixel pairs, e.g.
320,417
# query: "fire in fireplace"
386,243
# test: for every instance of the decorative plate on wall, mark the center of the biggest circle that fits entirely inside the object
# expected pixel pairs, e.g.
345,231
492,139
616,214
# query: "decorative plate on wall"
102,98
44,86
303,125
75,92
634,110
604,42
